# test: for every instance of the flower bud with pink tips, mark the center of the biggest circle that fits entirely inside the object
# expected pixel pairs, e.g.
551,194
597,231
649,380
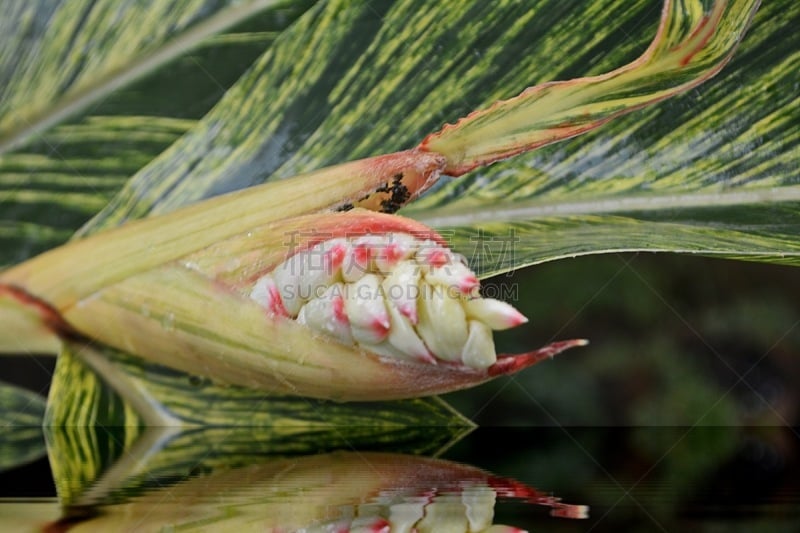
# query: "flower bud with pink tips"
414,299
425,309
225,317
267,301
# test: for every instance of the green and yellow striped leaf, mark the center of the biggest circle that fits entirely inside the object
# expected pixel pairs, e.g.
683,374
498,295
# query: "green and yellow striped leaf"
669,178
63,155
57,57
21,415
714,171
102,400
356,79
360,79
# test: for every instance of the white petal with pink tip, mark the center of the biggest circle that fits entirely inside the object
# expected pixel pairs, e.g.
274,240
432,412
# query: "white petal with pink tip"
454,275
326,314
403,337
442,322
396,248
365,307
479,350
401,287
494,313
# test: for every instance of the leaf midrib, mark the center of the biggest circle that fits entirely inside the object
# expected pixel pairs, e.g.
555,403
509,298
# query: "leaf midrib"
476,213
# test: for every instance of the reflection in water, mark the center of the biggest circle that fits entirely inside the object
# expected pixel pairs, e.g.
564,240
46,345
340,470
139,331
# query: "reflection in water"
634,479
339,491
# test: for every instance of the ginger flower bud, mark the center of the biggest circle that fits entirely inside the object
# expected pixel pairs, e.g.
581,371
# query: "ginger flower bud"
409,299
349,306
365,306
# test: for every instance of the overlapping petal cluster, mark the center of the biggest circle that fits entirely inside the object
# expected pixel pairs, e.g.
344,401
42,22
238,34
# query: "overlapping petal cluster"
393,294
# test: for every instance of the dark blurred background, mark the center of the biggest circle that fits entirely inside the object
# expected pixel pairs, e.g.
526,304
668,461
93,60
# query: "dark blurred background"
681,413
675,340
